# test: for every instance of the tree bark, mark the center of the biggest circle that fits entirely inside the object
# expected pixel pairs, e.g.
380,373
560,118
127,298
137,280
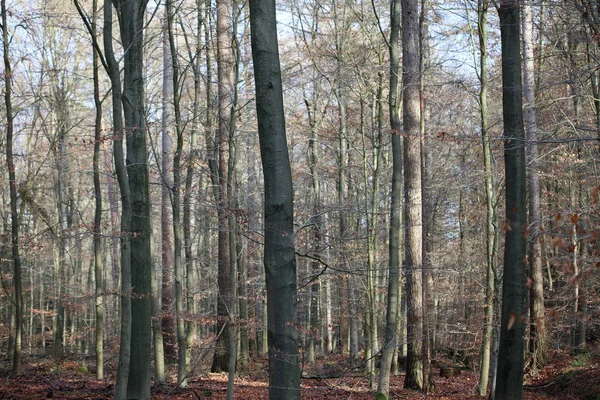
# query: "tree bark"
280,263
412,180
512,329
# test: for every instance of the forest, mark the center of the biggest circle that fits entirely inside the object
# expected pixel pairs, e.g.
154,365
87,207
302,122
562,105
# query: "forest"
334,199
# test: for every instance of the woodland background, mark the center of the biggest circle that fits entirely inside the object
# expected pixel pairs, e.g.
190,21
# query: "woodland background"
206,180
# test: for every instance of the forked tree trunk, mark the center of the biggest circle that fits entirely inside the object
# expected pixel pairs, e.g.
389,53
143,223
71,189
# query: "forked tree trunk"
131,22
280,262
509,383
122,179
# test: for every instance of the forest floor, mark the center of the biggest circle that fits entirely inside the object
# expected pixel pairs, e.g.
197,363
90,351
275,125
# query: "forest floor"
565,377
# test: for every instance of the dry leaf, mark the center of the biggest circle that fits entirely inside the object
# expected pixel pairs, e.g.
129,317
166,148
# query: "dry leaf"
511,321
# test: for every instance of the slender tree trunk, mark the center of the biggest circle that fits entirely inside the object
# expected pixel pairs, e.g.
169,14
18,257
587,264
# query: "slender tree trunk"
123,181
316,239
512,328
491,231
225,71
176,204
98,259
163,322
191,275
537,335
395,206
280,262
412,180
16,257
427,207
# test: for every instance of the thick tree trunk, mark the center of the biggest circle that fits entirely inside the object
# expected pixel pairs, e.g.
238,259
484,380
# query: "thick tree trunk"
512,328
280,262
537,334
412,180
395,207
12,179
131,22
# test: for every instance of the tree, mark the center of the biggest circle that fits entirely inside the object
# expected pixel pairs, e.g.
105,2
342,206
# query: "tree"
279,253
131,23
225,70
509,383
490,229
14,216
411,106
98,262
180,330
395,206
537,334
126,208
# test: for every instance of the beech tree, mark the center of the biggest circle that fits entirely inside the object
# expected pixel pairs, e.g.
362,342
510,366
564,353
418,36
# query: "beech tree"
131,23
509,383
279,253
346,161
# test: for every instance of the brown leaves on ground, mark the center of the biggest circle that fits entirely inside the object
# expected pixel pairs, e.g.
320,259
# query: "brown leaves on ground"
565,377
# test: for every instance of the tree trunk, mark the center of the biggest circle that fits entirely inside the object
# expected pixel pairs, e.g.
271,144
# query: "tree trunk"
537,334
316,240
225,70
16,258
412,180
163,323
491,231
191,275
512,329
98,259
427,207
131,22
121,172
395,207
280,263
176,204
